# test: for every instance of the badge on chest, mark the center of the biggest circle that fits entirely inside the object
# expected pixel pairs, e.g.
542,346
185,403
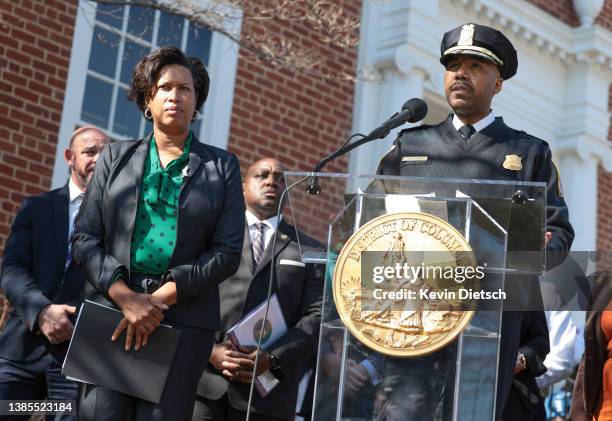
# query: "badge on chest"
513,163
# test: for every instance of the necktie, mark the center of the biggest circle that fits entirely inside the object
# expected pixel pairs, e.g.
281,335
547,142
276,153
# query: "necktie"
258,242
467,131
78,200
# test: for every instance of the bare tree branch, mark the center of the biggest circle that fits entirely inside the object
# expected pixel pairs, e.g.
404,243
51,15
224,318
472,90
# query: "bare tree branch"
329,23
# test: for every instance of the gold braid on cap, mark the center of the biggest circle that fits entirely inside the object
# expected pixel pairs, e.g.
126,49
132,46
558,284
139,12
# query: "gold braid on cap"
484,51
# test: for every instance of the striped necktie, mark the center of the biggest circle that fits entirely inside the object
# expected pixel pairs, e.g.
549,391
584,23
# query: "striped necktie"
78,200
258,243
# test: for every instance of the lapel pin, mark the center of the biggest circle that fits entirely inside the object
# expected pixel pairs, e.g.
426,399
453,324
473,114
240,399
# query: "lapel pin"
185,171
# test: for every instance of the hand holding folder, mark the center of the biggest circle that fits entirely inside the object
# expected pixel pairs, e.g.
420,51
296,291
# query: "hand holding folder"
93,358
245,334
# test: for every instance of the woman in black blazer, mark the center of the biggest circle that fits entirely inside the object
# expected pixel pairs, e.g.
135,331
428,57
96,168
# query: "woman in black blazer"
161,225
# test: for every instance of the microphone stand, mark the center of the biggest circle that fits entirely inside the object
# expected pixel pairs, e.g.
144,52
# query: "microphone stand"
272,275
313,187
281,200
412,111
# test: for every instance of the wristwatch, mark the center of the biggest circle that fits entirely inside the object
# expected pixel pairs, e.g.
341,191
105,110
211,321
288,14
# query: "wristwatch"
522,361
275,367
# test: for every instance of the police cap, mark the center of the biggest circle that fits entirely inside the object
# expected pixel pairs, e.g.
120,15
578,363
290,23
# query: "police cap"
480,41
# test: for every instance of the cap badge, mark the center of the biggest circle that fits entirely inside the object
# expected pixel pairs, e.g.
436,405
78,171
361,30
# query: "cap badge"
513,163
467,35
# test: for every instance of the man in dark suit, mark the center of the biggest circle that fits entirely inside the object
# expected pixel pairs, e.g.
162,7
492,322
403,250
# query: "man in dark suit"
474,144
223,392
42,283
524,400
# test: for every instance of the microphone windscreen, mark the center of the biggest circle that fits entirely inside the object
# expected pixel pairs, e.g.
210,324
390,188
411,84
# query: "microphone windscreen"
418,109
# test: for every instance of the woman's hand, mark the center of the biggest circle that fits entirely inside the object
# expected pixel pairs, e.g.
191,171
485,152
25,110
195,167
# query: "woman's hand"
143,310
136,335
142,314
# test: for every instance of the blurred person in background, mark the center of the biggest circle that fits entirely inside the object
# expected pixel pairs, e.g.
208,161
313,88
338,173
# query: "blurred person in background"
223,392
592,394
43,284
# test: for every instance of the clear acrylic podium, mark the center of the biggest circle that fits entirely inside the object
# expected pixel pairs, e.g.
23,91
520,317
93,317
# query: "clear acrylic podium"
458,381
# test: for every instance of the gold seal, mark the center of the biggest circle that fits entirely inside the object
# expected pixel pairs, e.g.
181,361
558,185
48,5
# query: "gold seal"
513,163
403,325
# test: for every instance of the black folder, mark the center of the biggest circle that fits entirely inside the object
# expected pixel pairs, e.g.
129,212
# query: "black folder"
93,358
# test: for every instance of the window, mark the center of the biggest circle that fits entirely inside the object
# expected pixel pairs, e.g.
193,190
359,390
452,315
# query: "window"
122,35
99,72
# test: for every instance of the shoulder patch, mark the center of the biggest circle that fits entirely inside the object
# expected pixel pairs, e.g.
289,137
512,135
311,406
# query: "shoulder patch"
559,185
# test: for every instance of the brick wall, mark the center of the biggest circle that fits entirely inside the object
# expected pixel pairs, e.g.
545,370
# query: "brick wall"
604,197
35,44
564,10
282,114
560,9
295,118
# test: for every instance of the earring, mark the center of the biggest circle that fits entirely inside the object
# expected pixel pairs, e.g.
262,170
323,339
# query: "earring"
147,114
196,115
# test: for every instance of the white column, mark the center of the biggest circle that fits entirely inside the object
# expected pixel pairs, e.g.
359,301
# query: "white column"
380,103
579,181
75,86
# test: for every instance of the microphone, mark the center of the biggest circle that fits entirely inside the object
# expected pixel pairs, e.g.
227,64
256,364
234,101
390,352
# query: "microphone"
413,110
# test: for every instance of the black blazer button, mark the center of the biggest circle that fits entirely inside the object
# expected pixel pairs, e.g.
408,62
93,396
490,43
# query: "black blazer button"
181,243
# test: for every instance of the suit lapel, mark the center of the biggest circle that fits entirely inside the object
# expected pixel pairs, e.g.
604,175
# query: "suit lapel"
195,159
60,217
241,283
247,249
281,242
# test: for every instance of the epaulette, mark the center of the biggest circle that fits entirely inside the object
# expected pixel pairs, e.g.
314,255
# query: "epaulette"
411,129
525,134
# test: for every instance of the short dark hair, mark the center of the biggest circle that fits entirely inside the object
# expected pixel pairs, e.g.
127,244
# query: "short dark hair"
146,73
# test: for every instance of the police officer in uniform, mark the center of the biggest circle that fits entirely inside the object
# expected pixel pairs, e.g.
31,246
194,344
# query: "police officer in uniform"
473,143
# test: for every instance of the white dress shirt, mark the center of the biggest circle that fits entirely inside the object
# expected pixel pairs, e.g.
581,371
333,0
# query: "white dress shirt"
271,226
560,360
76,198
478,126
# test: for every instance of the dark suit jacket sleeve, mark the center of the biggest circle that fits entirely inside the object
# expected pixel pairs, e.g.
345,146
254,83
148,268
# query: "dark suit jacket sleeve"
88,240
557,215
300,342
17,280
221,260
535,343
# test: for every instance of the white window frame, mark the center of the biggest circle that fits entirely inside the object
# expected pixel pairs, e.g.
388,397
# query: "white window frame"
222,66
